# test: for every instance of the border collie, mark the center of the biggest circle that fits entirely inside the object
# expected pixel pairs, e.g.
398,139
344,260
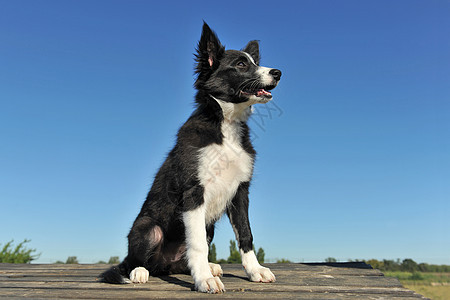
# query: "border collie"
206,174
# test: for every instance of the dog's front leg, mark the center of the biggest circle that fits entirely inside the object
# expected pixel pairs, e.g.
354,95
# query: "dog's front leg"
197,252
238,215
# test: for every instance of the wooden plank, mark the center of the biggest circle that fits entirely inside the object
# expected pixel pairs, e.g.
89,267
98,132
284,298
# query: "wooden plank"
23,269
294,281
171,287
183,283
23,274
80,294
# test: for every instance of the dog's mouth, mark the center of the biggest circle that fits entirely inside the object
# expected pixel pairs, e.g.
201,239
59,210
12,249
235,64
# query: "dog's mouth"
259,92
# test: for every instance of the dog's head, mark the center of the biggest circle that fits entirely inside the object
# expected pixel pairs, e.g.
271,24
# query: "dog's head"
232,75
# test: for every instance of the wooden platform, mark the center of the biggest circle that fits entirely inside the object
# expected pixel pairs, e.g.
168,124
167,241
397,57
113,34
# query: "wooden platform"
299,281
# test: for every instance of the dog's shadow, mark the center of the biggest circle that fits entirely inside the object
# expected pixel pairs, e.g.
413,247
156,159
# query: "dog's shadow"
174,280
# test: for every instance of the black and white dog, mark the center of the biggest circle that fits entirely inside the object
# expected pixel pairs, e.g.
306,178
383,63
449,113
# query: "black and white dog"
206,174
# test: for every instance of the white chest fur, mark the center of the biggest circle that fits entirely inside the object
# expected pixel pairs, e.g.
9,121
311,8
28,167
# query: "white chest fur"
222,168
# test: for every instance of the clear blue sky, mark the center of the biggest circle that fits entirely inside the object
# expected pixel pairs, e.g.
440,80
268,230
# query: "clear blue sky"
354,157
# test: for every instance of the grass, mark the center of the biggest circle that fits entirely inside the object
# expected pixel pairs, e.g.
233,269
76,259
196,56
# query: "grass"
435,286
432,292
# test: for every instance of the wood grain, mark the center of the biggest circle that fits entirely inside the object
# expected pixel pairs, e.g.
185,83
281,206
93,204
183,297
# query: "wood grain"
294,281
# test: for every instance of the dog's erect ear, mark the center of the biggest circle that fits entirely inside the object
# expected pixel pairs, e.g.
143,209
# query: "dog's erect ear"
252,48
209,52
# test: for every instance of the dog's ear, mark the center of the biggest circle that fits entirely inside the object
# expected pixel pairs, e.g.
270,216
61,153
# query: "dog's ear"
209,52
252,48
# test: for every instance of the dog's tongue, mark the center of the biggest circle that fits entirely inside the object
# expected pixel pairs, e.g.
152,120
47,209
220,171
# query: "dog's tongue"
263,92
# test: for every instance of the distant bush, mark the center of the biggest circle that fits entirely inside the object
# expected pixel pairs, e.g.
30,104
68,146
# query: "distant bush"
19,255
426,278
330,260
416,276
114,260
72,260
283,261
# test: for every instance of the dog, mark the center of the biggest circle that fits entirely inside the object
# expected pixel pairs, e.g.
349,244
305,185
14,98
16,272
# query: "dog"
205,175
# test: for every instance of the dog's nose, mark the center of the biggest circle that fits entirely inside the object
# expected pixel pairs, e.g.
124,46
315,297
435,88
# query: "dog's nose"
275,73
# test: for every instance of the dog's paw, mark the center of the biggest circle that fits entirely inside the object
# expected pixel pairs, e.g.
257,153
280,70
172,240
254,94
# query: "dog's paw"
139,275
211,285
260,274
216,270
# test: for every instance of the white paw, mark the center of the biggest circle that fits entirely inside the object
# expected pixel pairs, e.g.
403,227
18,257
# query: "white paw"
216,270
260,274
139,275
211,285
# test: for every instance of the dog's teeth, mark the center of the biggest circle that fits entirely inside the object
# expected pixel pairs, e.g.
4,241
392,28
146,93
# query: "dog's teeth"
263,92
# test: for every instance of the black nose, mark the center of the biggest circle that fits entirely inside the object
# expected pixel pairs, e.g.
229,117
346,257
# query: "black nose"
275,73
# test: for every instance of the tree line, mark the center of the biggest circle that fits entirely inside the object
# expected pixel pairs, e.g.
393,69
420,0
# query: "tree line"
406,265
235,256
21,254
113,260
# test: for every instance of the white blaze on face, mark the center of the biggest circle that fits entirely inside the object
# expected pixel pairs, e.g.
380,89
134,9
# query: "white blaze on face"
250,58
263,72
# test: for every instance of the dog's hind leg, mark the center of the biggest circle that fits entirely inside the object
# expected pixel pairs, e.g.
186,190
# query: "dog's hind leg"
144,249
116,274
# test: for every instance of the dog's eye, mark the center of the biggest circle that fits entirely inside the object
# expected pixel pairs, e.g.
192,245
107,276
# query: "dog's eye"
241,64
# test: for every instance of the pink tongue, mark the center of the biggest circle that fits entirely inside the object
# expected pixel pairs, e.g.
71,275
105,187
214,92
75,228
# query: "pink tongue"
263,92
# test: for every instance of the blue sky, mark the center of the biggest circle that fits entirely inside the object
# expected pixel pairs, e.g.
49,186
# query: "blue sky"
353,152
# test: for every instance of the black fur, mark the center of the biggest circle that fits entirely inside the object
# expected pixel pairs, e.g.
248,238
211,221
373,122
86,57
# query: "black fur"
157,238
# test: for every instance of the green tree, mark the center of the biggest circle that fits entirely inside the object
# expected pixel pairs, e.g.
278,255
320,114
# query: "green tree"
114,260
260,255
212,254
409,265
19,255
221,261
235,256
330,260
376,264
72,260
391,265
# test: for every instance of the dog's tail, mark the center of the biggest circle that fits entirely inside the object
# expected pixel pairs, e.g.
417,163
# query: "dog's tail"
116,274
